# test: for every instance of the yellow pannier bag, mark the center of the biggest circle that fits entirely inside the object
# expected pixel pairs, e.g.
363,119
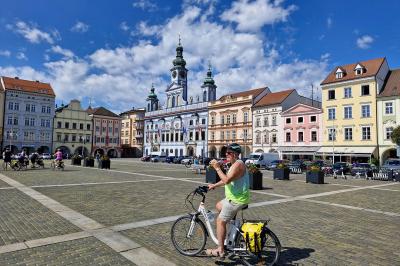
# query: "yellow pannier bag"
252,236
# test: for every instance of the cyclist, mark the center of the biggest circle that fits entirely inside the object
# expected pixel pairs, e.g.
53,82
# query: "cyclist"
59,157
22,158
237,194
34,158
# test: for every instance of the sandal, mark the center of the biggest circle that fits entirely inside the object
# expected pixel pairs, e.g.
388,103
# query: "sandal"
215,253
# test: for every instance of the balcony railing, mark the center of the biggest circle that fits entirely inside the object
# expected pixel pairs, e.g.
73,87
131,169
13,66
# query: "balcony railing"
182,108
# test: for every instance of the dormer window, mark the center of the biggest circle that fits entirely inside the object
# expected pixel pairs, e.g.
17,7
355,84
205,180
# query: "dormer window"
358,70
339,73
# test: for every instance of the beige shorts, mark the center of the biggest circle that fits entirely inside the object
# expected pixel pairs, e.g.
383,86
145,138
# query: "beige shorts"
229,209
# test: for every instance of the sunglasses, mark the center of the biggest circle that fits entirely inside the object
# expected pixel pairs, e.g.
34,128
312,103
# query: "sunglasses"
229,152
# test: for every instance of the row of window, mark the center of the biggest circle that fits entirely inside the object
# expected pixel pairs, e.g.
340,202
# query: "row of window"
300,119
74,138
265,121
191,123
28,135
226,119
28,107
348,112
74,125
230,135
134,141
348,133
31,122
103,140
300,136
110,130
347,92
178,136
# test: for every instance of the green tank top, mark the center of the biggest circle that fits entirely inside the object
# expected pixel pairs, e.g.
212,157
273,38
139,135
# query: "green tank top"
238,190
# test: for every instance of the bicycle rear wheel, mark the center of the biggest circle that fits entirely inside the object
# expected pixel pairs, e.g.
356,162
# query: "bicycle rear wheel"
189,245
270,252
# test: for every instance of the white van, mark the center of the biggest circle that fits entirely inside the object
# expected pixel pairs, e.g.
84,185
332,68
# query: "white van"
261,159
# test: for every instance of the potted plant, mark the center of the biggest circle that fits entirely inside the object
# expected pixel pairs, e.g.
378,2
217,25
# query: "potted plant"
88,161
315,175
76,159
255,177
104,162
281,172
211,175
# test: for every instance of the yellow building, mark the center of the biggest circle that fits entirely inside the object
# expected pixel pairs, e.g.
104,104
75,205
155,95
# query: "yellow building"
132,132
72,130
230,120
349,121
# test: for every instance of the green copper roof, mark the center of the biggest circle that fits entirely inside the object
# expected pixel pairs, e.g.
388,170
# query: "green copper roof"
209,80
152,95
179,61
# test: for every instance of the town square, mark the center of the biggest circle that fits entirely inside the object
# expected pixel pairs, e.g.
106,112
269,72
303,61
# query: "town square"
199,132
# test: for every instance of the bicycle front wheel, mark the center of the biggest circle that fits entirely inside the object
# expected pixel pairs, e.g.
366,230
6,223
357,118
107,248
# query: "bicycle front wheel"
188,236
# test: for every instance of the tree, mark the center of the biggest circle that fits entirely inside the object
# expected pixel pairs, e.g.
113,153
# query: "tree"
396,135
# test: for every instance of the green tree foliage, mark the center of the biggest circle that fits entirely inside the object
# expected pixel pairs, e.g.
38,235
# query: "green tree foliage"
396,135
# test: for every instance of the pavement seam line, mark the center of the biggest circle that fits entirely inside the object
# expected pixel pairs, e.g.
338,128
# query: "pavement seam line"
114,240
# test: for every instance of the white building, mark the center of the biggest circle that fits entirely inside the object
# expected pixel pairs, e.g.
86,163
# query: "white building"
180,127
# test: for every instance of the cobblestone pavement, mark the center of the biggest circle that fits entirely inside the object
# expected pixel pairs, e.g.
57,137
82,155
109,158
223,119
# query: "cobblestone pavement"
343,222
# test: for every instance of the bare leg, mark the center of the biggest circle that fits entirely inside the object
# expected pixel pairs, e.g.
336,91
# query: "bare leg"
221,232
219,206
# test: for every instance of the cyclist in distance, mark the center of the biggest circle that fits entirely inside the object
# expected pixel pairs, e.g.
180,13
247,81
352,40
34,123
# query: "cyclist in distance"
237,194
7,155
59,157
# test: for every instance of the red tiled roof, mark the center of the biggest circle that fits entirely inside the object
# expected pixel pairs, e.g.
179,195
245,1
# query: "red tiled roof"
28,86
274,98
253,92
371,69
392,84
101,111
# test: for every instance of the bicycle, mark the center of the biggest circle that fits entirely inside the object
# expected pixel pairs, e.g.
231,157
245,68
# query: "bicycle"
58,166
188,164
189,234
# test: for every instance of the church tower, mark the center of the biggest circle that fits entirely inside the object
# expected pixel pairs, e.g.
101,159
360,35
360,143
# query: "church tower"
152,99
177,90
209,87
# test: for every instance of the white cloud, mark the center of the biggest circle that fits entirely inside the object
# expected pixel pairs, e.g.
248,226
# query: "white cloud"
146,30
5,53
65,52
329,22
364,42
145,5
32,33
252,16
124,26
121,77
80,27
21,56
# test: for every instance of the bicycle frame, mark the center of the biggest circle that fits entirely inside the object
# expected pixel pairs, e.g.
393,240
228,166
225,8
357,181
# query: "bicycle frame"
232,231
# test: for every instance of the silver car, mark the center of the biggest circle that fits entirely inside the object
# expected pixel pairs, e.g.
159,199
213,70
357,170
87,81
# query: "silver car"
392,164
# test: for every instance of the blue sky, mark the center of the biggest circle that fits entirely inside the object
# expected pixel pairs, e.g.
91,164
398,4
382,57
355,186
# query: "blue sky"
112,51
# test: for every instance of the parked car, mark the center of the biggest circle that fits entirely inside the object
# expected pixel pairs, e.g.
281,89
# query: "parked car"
272,165
341,167
298,164
170,159
145,158
362,169
178,159
158,158
186,160
46,156
261,159
392,164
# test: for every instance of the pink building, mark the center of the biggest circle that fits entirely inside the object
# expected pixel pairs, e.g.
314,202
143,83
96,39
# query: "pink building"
302,131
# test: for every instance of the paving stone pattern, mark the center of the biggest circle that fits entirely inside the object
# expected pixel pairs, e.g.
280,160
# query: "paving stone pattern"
22,218
3,184
388,201
124,203
310,235
86,251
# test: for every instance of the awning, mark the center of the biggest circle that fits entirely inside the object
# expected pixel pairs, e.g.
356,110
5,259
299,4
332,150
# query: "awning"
302,150
347,151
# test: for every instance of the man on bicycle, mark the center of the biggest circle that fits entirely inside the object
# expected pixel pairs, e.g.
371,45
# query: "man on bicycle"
237,194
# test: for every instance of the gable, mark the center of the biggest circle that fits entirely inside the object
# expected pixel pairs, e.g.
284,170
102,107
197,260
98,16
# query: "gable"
301,108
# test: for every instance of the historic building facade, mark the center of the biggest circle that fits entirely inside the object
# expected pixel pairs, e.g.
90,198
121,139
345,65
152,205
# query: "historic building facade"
388,104
1,115
349,99
106,131
73,130
301,130
230,120
132,132
267,119
179,127
28,115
